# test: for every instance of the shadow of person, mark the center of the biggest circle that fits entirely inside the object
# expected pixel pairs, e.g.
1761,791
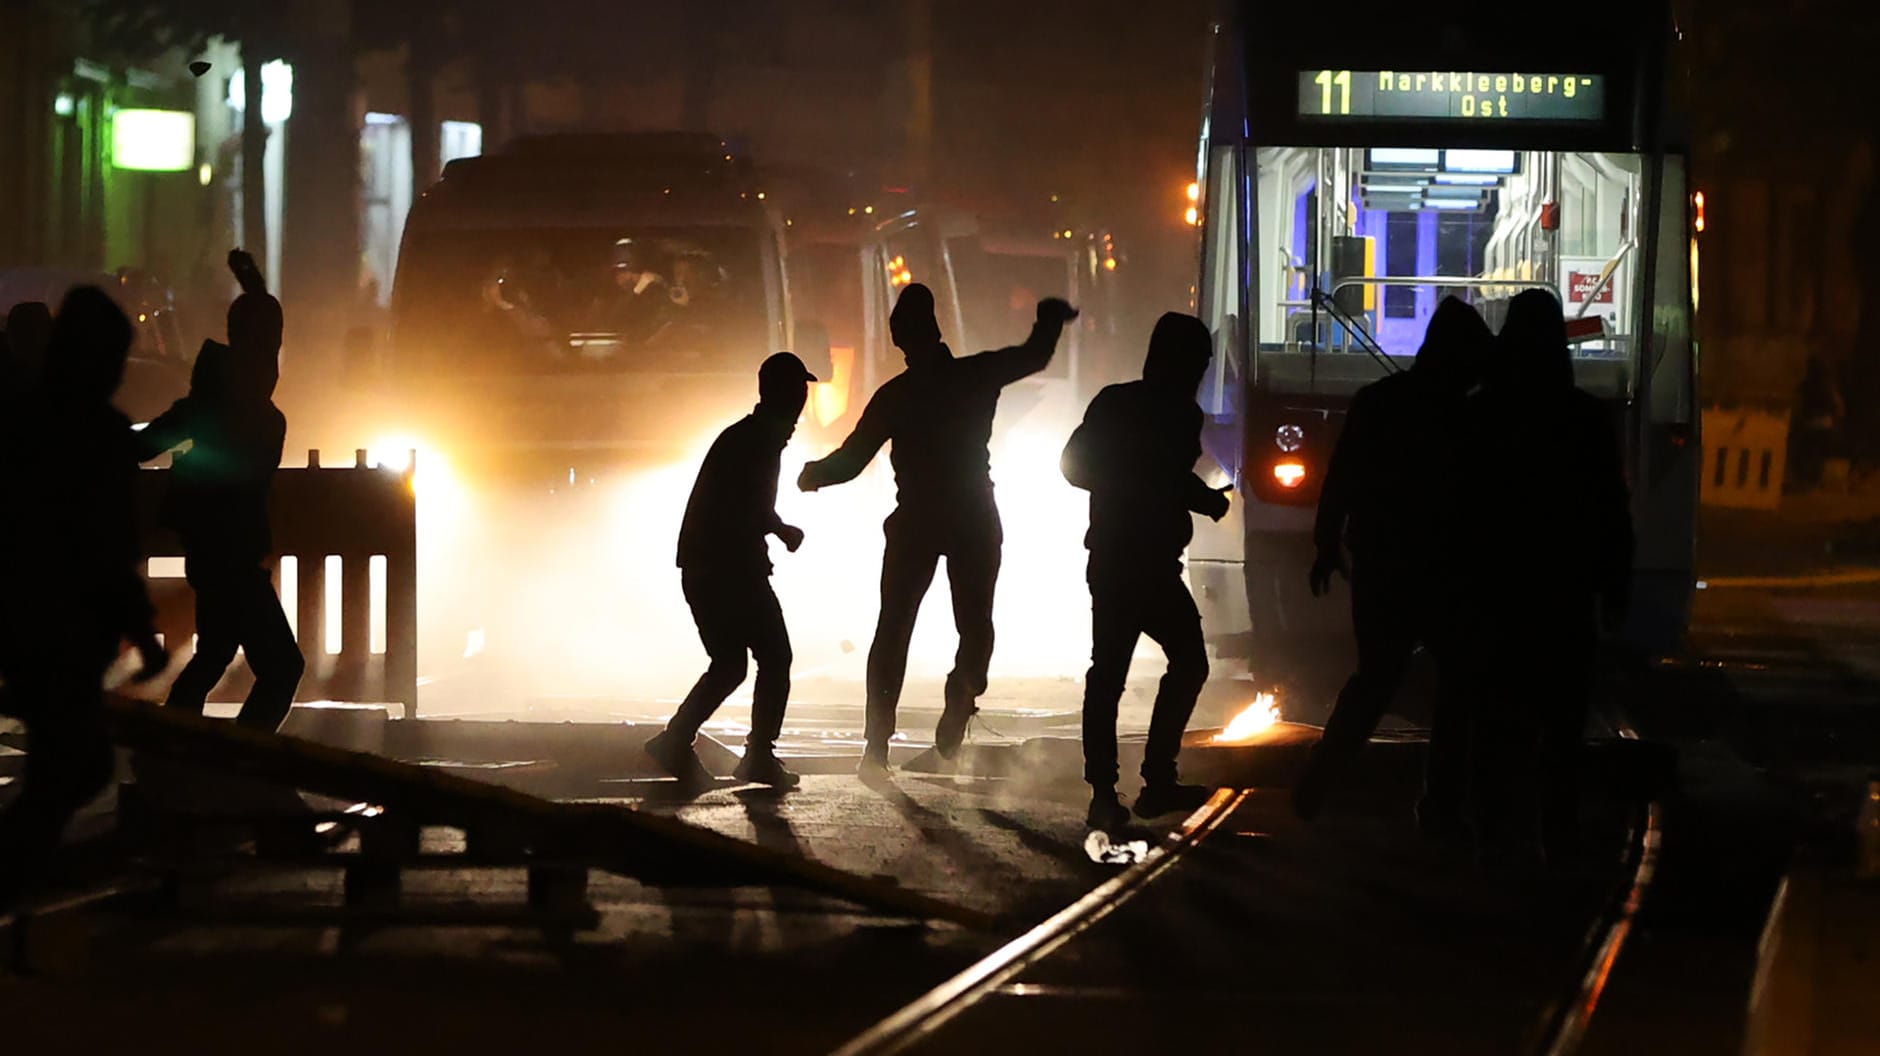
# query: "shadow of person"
763,808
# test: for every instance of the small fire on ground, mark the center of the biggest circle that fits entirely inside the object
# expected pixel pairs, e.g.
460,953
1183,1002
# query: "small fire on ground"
1255,719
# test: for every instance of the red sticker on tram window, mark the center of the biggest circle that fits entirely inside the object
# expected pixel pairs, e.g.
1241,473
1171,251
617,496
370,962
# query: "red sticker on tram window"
1581,284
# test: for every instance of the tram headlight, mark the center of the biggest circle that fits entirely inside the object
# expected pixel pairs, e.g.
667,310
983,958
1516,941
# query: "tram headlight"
1289,438
1289,473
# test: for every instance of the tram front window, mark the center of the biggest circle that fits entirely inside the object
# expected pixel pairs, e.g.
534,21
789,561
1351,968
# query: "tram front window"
1361,244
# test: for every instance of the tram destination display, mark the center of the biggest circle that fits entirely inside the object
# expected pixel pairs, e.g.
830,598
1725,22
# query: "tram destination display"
1432,95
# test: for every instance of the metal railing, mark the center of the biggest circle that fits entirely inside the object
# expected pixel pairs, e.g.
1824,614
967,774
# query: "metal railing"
354,514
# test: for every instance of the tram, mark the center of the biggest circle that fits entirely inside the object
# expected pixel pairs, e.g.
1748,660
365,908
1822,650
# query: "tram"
1351,180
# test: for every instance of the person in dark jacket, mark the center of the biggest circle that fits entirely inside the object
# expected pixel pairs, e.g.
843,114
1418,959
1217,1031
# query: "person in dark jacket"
938,414
218,506
1555,543
1135,454
28,332
1391,498
74,591
725,570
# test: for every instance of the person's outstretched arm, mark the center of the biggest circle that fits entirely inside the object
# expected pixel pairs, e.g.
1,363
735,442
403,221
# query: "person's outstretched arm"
242,264
169,431
1007,365
1204,498
846,463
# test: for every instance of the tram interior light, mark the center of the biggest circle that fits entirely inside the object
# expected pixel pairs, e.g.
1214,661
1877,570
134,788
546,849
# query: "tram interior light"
1499,162
1412,158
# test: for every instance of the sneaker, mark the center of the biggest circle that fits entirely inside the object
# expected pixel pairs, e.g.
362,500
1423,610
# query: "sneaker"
762,767
951,733
678,759
874,767
1156,800
1107,813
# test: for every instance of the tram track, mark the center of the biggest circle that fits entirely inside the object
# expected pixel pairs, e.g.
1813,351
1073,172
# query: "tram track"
1560,1030
932,1011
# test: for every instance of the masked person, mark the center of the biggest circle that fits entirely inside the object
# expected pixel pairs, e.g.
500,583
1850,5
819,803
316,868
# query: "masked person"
1392,497
74,591
218,505
1135,454
725,570
937,414
1553,542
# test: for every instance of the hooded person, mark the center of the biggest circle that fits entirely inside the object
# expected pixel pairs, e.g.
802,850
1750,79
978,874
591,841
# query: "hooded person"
724,564
1135,453
1552,563
1391,497
75,592
937,415
28,332
218,504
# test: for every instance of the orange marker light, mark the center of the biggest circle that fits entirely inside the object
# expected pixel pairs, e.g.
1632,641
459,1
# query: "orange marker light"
1289,474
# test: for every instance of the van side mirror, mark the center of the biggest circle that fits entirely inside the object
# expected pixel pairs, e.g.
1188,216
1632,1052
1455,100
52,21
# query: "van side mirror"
812,347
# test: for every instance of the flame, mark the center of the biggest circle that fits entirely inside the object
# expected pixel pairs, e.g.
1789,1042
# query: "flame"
1255,719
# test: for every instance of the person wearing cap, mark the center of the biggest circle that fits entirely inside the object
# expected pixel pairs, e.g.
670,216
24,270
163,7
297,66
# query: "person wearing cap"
724,567
938,414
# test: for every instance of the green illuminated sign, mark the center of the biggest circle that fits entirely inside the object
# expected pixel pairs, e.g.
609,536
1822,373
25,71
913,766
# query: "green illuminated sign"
153,140
1429,95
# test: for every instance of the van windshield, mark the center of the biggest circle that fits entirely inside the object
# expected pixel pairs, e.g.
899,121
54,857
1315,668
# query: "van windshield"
554,300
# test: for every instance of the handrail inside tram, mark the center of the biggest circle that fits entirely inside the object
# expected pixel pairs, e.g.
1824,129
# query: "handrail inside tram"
1324,301
1606,275
1438,280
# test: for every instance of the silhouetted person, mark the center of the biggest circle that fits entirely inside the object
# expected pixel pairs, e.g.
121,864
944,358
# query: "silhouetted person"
28,332
218,505
1135,453
724,564
938,415
74,592
1555,549
1391,497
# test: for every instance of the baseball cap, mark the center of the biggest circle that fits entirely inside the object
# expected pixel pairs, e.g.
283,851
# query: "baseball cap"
783,368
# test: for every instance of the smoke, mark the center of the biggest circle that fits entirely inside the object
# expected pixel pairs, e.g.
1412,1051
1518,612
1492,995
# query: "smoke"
569,602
